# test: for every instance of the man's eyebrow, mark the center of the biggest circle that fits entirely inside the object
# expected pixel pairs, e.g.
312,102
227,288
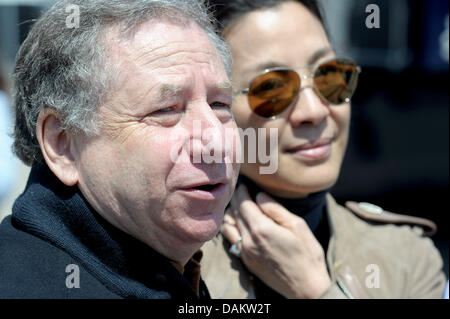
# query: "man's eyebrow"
167,91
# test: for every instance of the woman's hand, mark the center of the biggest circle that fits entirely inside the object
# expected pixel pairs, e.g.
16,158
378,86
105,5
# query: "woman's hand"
277,246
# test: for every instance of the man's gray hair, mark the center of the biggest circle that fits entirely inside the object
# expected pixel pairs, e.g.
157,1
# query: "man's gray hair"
66,69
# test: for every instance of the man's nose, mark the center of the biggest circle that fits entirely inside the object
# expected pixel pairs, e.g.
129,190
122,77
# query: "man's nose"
310,109
207,133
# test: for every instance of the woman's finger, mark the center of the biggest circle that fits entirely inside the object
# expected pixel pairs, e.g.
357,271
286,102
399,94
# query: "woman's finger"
235,213
274,210
230,228
229,217
248,211
231,233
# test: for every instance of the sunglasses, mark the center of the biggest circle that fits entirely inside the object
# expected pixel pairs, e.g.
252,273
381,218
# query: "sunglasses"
272,91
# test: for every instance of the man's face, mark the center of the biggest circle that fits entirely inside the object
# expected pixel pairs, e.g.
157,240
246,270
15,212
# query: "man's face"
137,173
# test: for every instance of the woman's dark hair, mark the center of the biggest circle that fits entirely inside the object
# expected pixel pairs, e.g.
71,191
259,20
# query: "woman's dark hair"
227,11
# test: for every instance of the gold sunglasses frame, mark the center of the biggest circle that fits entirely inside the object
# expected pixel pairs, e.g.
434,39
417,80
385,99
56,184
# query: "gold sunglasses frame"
312,67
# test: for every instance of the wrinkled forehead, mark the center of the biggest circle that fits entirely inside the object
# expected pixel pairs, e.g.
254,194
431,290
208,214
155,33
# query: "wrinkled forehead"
161,60
159,42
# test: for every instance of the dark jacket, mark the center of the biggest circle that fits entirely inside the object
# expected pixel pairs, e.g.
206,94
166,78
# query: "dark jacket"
54,233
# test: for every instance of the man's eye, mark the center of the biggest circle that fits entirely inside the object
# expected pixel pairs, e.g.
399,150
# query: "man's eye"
219,105
165,110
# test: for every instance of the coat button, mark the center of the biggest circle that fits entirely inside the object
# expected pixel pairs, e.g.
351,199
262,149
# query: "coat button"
371,208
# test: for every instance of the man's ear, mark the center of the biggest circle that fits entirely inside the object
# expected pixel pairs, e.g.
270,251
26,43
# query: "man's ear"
55,143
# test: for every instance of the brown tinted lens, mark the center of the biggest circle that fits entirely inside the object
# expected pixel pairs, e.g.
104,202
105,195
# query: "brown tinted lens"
271,93
336,80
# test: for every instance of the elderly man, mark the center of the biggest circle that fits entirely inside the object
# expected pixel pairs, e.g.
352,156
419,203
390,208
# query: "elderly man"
106,114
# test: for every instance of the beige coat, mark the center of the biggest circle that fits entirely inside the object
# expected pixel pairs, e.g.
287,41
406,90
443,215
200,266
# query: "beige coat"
368,257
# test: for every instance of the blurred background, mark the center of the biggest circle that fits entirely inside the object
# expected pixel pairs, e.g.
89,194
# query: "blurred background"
398,153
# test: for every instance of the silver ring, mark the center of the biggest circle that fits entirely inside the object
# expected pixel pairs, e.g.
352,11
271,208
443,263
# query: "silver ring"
234,248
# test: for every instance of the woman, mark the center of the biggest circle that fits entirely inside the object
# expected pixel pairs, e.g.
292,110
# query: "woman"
290,238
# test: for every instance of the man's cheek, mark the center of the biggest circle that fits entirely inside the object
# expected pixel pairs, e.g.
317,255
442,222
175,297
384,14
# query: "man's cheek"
150,169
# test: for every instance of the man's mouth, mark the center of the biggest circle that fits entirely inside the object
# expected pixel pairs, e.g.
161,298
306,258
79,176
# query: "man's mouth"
205,191
208,187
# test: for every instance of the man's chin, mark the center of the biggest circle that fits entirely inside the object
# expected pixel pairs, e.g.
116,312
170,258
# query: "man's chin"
203,229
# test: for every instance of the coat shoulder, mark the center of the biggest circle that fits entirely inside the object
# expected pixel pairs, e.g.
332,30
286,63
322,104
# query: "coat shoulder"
366,217
374,214
368,224
368,235
30,267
